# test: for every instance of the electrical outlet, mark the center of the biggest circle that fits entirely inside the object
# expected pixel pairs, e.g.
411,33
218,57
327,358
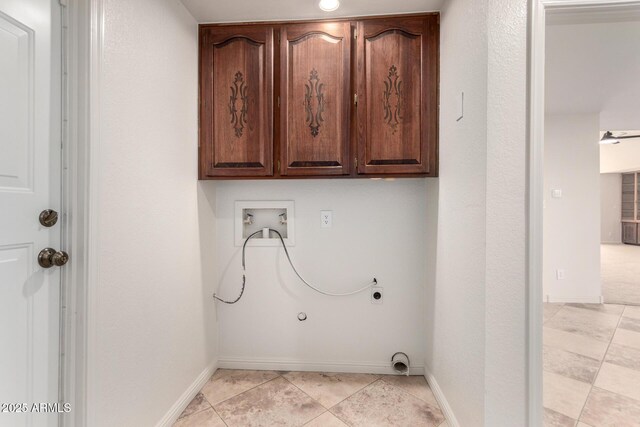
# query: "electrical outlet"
560,274
326,219
376,295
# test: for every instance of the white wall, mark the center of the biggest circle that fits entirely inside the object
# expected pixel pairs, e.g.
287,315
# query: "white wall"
378,231
456,296
153,329
572,223
506,383
610,207
576,82
476,303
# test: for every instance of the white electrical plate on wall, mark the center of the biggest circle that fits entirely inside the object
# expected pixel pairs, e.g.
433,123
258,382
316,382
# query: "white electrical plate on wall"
266,214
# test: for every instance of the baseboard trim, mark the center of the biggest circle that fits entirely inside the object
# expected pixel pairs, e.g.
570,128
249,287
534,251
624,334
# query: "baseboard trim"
176,409
452,421
575,299
313,366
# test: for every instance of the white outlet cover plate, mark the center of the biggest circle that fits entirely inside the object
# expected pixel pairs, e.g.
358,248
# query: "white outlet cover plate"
290,240
326,219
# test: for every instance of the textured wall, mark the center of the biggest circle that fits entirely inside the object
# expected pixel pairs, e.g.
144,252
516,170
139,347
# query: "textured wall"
456,295
507,168
476,312
572,223
154,324
378,231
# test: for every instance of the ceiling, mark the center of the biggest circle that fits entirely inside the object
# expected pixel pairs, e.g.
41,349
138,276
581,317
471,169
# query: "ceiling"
623,157
592,14
268,10
595,67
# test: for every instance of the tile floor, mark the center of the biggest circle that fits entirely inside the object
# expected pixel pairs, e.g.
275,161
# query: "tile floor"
591,365
312,399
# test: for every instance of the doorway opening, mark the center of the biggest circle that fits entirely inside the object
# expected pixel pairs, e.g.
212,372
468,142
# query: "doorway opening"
583,82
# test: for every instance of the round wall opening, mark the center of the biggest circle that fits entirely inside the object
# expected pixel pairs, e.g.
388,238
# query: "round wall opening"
400,363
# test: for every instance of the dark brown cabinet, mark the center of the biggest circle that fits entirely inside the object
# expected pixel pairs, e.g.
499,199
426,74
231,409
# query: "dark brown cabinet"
631,208
315,94
345,98
630,233
397,88
236,99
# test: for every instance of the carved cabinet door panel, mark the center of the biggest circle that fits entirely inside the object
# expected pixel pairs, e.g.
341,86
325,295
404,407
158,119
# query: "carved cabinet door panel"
397,88
236,101
315,109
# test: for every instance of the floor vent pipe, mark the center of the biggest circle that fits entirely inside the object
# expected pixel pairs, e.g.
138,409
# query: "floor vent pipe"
400,363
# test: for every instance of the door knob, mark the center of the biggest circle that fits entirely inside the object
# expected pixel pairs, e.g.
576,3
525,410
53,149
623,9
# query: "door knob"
48,257
48,217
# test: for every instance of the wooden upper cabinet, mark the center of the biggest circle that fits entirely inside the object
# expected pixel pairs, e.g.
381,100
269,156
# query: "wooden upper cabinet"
236,101
315,98
397,88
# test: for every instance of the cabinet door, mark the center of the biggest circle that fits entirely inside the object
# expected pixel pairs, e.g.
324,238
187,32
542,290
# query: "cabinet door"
637,196
397,88
315,67
629,233
628,197
236,101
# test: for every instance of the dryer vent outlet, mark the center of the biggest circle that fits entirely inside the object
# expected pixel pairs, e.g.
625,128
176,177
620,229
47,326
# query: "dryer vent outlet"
400,363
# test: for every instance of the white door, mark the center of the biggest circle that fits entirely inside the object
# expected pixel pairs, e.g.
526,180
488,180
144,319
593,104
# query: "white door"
30,141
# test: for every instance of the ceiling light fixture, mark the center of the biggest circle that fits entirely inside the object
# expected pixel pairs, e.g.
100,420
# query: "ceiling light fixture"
329,5
608,137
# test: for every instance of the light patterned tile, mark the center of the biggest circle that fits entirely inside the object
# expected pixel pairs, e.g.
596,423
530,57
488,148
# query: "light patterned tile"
206,418
381,404
415,385
627,338
632,311
616,309
607,409
550,310
326,420
581,424
275,403
619,379
233,383
219,373
570,365
199,403
624,356
564,395
574,343
630,323
583,322
329,388
556,419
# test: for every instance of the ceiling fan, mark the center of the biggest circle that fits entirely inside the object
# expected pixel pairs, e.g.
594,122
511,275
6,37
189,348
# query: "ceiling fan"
608,138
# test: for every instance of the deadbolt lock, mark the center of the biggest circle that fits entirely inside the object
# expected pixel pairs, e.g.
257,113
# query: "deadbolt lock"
48,258
48,217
